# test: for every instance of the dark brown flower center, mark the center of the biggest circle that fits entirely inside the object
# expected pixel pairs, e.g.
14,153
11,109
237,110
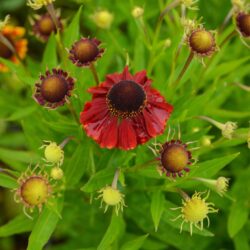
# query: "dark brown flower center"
85,51
5,52
126,96
46,25
54,88
201,41
174,158
244,23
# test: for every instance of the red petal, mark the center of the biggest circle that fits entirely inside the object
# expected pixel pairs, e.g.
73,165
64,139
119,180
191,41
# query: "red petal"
141,78
109,133
155,99
113,78
97,91
153,124
94,129
94,110
127,135
126,75
140,129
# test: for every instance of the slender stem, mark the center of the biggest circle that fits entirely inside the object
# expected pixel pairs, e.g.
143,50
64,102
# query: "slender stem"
230,35
189,60
168,8
183,194
52,12
94,72
115,180
73,112
227,18
65,141
6,42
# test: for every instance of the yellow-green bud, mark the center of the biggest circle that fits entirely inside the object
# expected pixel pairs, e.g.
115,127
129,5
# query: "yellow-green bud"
103,19
53,153
56,173
137,12
112,197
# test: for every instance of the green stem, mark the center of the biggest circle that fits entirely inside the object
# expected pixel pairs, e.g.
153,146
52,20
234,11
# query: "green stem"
228,37
94,72
52,13
73,112
184,69
115,180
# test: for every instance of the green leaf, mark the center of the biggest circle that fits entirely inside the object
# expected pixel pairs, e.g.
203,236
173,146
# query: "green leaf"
19,224
7,181
19,70
98,180
212,167
112,233
78,164
157,207
241,240
49,56
19,155
21,113
44,227
72,33
237,218
226,68
135,244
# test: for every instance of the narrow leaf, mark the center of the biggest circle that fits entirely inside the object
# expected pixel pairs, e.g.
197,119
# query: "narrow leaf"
19,224
135,244
157,207
44,227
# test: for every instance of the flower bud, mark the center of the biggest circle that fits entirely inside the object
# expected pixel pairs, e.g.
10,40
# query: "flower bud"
195,210
53,153
56,173
137,12
201,42
34,190
112,197
103,19
243,24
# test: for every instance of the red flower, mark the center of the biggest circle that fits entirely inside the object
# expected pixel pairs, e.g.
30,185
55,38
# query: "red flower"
125,111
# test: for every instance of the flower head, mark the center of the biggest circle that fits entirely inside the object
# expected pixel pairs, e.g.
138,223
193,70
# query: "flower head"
12,46
85,51
53,153
175,158
53,89
195,210
125,111
56,173
43,26
201,42
103,19
112,197
243,24
38,4
34,189
137,12
228,129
